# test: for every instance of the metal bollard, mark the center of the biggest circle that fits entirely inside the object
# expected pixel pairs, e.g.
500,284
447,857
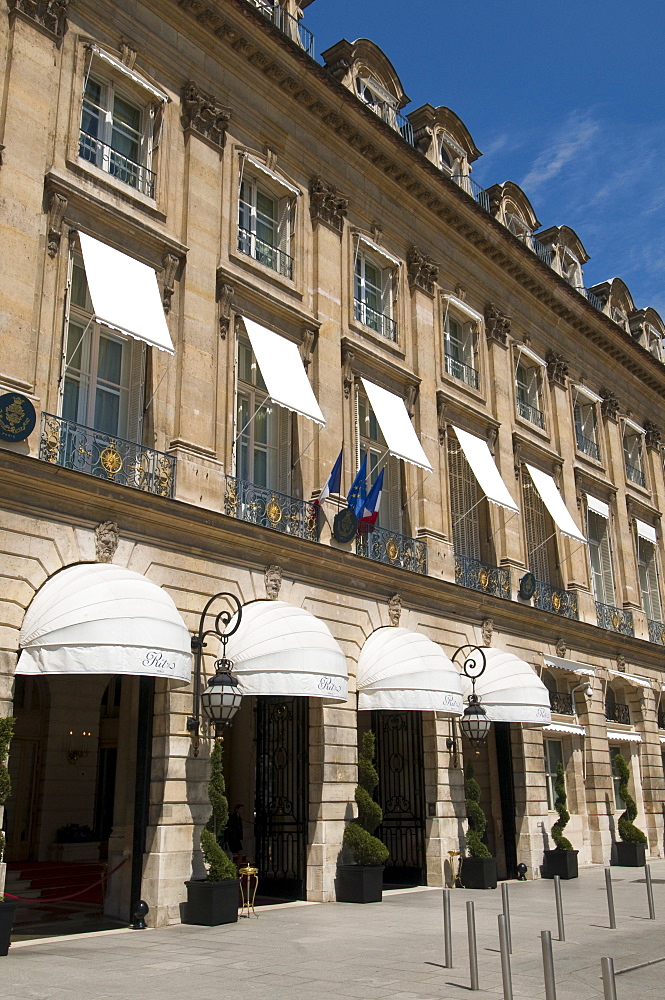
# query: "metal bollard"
559,907
506,974
610,898
548,965
652,908
447,931
506,912
609,982
473,948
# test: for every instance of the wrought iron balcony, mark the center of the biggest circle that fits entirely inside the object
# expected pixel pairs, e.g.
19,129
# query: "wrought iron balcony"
376,321
114,163
635,475
472,187
270,509
618,713
394,549
591,297
265,253
465,373
615,619
556,601
104,456
562,703
587,446
656,631
387,113
476,575
531,413
290,26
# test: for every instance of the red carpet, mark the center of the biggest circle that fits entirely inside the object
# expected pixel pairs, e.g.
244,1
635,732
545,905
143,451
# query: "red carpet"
51,880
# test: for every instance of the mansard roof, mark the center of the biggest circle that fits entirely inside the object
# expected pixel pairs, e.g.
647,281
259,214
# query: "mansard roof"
566,237
512,198
444,121
364,58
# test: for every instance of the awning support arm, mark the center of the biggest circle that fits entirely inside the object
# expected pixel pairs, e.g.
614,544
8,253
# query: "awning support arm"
166,371
68,363
467,512
318,428
240,433
542,543
427,475
514,514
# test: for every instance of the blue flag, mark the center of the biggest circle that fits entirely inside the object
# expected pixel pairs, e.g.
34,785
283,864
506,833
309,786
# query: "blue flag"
358,491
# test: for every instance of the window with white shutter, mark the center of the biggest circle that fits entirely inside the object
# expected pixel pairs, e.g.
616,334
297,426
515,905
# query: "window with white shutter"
648,574
463,502
537,529
600,556
371,442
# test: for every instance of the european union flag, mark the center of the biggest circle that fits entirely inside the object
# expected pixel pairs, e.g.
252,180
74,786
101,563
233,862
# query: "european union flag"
358,491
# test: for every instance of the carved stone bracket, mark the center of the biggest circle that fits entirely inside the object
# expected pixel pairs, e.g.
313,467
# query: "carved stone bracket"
487,631
492,435
225,298
497,324
610,404
517,455
273,580
204,116
410,396
394,609
652,434
307,348
170,262
561,647
50,14
347,370
557,368
107,536
441,415
326,204
57,206
423,272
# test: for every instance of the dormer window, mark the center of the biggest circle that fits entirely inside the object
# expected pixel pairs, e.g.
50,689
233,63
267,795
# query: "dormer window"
445,159
518,227
619,317
571,269
653,343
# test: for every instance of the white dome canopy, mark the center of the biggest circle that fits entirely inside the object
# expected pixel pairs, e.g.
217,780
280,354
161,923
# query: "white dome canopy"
510,689
283,650
403,670
98,618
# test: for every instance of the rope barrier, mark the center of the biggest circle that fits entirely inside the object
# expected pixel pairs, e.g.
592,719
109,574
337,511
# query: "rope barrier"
63,899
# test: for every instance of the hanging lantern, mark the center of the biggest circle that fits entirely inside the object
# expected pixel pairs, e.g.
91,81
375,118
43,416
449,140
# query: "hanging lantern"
221,699
474,722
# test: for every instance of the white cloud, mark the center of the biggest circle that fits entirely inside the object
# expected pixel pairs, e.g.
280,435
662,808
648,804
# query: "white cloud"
570,140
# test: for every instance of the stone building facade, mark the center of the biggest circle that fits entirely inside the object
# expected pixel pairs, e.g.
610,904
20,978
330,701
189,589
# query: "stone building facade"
196,155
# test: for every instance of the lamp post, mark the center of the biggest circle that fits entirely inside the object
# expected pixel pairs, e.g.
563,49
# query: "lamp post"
220,700
474,722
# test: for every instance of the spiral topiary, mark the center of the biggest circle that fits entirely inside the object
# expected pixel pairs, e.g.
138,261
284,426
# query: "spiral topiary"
358,834
219,865
562,843
629,833
475,816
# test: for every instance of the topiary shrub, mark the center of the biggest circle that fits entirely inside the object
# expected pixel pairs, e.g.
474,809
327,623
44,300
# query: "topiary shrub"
6,734
219,865
629,833
358,834
562,843
475,816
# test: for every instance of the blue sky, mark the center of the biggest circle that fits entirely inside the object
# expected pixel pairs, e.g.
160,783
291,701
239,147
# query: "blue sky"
566,99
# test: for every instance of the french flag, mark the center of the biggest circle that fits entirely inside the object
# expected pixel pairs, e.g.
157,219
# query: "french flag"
334,481
370,513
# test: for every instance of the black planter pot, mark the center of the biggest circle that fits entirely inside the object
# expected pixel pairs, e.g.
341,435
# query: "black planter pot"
359,883
629,855
212,903
479,873
7,911
561,863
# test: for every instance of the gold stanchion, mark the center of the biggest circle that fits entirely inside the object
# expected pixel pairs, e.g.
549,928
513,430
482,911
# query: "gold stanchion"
248,889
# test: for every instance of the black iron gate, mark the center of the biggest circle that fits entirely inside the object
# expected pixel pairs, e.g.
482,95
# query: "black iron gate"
282,776
399,760
504,760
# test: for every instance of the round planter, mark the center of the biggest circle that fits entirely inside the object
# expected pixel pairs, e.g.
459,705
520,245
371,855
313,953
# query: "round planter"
561,863
7,911
212,903
359,883
478,873
629,855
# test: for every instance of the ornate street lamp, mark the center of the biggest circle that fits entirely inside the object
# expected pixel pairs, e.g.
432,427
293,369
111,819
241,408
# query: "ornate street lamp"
220,700
474,722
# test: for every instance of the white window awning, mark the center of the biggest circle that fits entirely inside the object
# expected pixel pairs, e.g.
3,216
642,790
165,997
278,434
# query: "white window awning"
283,650
483,466
396,427
510,690
549,494
283,371
400,670
124,293
390,260
560,663
97,618
617,734
561,727
634,679
631,425
273,175
583,390
459,305
136,78
598,506
646,531
524,351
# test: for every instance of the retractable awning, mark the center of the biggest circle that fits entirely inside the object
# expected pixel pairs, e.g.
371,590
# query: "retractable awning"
646,531
634,679
396,427
562,727
483,466
273,175
124,293
598,506
549,494
283,650
621,736
283,371
560,663
402,670
97,618
510,690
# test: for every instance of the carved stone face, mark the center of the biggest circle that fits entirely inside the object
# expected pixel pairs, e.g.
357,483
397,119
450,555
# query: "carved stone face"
273,580
107,536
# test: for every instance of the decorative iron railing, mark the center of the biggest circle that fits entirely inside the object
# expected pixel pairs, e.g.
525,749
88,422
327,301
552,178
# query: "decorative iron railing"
270,509
591,297
288,25
465,373
114,163
587,446
558,602
394,549
265,253
387,113
615,619
518,229
541,251
656,631
105,456
531,413
376,321
476,575
562,703
618,713
635,475
472,187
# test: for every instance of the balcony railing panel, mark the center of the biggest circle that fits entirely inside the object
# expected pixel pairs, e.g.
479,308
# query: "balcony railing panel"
133,174
393,549
288,25
656,632
562,703
556,601
587,446
615,619
472,187
376,321
618,713
541,251
104,456
635,475
465,373
476,575
265,253
591,298
270,509
531,413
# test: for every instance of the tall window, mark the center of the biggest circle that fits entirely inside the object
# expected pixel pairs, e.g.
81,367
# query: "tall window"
264,226
539,532
633,455
648,574
114,135
459,351
528,389
373,295
553,757
263,447
372,443
464,507
586,426
600,556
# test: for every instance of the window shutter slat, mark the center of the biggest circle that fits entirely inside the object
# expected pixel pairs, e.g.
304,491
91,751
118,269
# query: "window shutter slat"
535,531
136,389
463,501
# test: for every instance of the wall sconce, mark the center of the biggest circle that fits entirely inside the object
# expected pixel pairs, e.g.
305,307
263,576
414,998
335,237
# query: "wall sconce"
78,747
451,745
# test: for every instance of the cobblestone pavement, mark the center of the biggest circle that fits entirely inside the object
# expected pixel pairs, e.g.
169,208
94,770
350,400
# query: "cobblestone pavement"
338,951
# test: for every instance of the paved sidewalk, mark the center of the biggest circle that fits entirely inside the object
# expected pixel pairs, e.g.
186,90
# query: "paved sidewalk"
339,951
